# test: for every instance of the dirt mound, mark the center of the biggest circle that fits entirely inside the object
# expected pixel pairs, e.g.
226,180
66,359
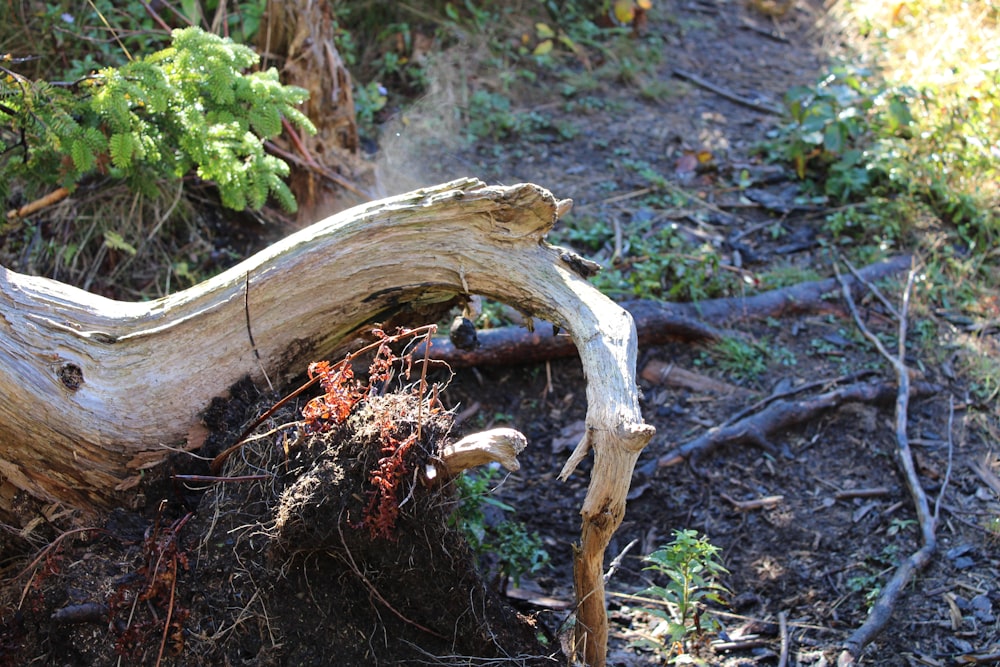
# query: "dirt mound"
303,559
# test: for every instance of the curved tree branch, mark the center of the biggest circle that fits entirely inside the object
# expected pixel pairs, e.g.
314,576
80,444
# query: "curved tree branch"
96,389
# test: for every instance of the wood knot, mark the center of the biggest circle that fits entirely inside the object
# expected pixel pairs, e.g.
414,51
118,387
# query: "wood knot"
71,376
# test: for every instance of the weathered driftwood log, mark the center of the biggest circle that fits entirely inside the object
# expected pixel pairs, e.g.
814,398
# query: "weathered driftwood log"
94,390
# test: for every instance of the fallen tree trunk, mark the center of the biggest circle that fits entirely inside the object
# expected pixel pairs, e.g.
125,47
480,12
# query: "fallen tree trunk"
658,321
95,390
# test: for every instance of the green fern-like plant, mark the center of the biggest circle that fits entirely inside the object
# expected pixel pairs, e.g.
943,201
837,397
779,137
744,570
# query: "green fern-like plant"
190,107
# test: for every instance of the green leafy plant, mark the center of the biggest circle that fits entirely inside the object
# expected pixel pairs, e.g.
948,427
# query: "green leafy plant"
502,544
692,568
187,108
834,127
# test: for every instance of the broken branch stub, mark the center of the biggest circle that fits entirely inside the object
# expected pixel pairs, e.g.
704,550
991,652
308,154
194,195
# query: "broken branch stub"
95,390
498,445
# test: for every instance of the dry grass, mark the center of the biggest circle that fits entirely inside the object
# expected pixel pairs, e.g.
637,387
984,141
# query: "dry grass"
950,48
940,43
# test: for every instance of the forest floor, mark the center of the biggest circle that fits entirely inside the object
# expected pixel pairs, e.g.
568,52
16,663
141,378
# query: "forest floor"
835,516
817,553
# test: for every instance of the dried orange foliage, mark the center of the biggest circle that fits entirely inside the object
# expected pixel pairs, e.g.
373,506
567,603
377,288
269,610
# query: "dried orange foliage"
342,394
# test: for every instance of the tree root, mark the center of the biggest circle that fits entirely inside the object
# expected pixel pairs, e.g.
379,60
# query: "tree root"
780,414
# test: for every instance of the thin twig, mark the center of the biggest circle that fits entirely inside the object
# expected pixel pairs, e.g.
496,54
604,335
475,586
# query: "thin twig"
951,452
253,344
617,562
881,611
45,552
211,479
423,380
873,289
851,377
170,609
783,625
318,169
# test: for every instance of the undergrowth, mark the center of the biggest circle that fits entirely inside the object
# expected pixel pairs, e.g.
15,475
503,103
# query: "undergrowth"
909,152
691,568
111,126
503,544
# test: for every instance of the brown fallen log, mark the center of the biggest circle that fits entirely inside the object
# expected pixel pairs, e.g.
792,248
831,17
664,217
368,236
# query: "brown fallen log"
658,322
94,390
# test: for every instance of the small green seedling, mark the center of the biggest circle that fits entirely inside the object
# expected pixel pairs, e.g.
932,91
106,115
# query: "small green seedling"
692,568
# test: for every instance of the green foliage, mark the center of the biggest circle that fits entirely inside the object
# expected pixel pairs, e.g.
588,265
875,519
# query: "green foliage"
839,130
490,116
186,108
659,264
658,261
692,568
855,137
505,544
744,360
785,276
983,371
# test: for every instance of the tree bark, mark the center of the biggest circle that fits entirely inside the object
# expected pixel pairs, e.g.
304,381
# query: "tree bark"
96,390
658,322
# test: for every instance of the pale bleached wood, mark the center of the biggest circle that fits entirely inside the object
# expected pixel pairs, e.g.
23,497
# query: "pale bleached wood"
93,389
497,445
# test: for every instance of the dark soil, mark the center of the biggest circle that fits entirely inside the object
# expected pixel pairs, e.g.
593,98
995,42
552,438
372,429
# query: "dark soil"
265,572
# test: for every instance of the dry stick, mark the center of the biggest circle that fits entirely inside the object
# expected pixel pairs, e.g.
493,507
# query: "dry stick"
319,169
780,414
658,322
783,625
951,452
53,197
170,609
617,562
874,290
748,505
843,379
423,380
881,611
723,92
311,163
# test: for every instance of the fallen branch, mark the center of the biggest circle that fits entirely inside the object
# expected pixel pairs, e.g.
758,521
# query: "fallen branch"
51,198
881,611
659,322
766,502
726,93
499,445
755,429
